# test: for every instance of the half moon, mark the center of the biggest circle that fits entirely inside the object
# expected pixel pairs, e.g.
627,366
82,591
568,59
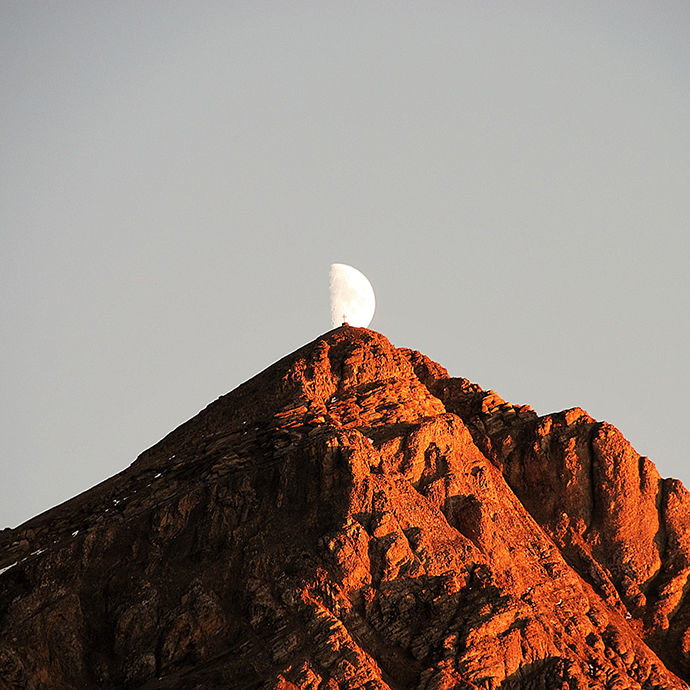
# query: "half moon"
352,297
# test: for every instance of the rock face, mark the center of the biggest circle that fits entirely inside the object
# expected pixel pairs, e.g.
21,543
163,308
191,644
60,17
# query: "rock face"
355,518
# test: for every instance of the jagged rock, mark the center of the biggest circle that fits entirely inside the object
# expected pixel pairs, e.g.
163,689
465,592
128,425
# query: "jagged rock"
353,517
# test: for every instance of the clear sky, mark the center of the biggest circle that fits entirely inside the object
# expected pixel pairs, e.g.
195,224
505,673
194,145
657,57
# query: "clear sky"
513,178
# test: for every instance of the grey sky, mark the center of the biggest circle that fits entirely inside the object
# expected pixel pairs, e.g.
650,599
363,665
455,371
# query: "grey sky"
176,178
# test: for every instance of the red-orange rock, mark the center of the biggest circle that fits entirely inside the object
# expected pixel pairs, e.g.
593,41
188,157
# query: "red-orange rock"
355,518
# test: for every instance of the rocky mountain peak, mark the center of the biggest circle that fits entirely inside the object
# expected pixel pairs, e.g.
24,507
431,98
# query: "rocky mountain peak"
355,517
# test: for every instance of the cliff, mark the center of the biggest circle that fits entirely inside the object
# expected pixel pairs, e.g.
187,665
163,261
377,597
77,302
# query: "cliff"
353,517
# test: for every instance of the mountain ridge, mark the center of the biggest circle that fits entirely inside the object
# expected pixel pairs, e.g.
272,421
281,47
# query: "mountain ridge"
353,516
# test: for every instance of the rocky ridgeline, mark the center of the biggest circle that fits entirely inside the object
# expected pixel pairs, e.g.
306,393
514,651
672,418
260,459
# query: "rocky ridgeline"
353,517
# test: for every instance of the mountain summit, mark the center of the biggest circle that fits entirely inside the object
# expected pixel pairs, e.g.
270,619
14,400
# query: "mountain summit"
353,517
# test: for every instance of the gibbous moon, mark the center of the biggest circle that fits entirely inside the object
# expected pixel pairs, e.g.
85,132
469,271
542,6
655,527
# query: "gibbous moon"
352,297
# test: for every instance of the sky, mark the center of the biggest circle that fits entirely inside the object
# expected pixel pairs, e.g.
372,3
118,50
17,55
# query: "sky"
177,177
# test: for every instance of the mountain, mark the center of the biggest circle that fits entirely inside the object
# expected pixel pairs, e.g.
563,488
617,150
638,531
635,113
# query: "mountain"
354,517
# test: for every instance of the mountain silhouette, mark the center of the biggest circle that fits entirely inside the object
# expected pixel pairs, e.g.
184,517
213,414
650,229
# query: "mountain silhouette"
354,517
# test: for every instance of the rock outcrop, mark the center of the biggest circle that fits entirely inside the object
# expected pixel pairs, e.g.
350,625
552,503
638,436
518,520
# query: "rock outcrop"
353,517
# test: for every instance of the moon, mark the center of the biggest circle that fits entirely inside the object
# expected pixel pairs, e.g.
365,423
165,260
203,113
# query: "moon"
352,297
